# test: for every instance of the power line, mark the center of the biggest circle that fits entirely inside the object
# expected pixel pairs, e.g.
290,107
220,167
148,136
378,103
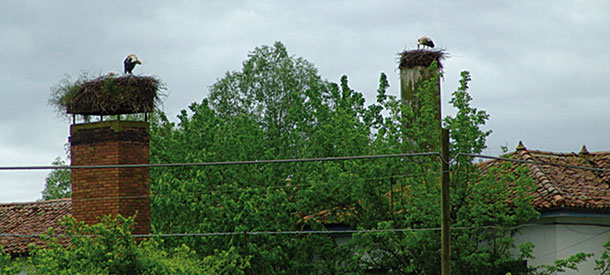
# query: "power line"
237,189
244,162
282,161
296,232
285,161
574,244
250,162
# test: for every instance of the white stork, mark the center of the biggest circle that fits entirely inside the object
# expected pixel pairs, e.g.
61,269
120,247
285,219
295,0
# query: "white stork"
130,63
425,41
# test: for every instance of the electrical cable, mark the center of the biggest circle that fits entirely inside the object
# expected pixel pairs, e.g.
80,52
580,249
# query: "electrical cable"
293,185
304,232
243,162
298,232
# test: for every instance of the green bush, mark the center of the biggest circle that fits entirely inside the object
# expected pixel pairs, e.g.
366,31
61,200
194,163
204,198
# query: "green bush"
8,265
109,248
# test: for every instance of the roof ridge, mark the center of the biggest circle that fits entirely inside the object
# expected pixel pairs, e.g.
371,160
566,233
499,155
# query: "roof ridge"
541,177
600,153
552,153
36,202
564,153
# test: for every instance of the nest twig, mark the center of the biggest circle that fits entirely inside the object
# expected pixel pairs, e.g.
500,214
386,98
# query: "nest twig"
421,57
110,95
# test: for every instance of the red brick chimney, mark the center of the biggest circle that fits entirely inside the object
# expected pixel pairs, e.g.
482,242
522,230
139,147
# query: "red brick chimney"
97,192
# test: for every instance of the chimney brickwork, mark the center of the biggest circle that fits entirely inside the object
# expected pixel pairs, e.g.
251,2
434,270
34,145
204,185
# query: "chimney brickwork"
97,192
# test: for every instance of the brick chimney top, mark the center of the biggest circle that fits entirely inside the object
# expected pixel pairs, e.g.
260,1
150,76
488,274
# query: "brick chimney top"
97,192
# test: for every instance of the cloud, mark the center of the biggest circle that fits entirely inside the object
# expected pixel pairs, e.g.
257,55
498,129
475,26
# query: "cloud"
539,67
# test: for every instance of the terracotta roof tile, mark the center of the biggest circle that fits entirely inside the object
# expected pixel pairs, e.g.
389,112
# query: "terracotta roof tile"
564,187
337,215
29,219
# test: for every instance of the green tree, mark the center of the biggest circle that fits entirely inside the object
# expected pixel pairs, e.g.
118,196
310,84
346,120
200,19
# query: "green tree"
9,265
109,248
603,263
232,125
277,106
57,184
323,119
484,203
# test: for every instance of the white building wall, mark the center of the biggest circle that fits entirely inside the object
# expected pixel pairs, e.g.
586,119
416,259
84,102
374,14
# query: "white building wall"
560,237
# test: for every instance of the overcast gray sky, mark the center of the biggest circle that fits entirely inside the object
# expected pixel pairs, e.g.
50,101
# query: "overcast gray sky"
541,69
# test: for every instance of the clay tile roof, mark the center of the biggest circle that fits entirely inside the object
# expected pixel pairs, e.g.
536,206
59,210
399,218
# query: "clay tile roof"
560,187
337,215
30,218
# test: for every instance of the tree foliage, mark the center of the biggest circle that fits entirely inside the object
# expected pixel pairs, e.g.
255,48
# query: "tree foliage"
9,265
603,263
109,248
57,182
278,107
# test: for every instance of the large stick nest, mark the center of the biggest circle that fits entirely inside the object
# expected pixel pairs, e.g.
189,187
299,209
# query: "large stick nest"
421,57
111,95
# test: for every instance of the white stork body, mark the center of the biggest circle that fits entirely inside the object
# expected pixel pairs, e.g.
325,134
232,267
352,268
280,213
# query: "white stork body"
130,63
425,41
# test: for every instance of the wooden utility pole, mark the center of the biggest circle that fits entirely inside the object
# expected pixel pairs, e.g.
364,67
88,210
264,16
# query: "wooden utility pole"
445,221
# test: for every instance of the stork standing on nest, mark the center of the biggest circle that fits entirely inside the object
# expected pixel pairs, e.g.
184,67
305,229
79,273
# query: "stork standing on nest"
130,63
425,41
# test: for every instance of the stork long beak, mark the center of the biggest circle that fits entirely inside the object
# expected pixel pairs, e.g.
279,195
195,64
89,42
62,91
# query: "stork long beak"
139,61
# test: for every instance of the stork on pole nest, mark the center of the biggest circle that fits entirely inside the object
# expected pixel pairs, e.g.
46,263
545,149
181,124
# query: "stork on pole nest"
425,41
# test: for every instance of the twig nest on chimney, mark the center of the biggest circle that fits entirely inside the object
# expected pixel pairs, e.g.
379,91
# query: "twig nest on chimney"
421,57
109,95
